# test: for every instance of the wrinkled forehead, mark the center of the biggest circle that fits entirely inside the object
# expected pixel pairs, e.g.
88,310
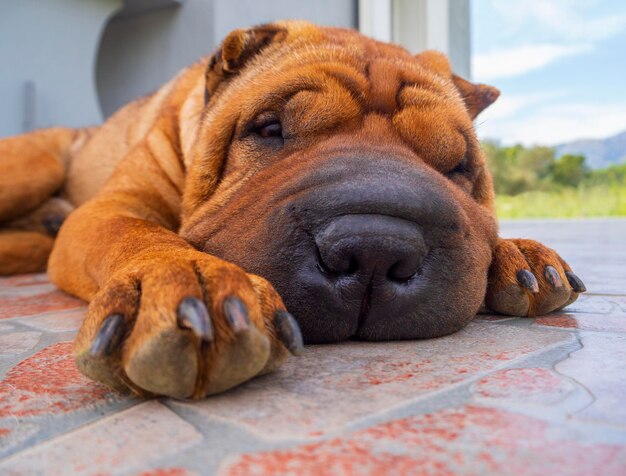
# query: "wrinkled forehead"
381,77
350,48
331,79
352,71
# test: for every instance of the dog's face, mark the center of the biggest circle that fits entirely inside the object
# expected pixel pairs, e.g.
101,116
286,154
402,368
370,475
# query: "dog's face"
347,173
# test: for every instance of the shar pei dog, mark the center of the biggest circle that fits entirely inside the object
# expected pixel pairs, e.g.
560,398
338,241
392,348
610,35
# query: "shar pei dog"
301,185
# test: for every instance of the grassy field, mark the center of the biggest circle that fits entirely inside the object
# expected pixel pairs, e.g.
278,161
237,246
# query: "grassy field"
597,201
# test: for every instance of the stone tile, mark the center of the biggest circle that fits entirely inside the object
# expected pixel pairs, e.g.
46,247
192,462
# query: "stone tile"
44,395
600,367
472,440
332,386
127,441
12,435
590,322
25,291
24,280
63,321
493,317
594,304
482,415
527,385
48,383
22,306
25,285
18,342
167,472
594,313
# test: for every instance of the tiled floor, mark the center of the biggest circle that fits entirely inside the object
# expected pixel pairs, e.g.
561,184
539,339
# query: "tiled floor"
504,396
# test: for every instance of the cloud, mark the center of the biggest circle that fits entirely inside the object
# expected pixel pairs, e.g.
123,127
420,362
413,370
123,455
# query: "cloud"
508,105
555,124
519,60
572,20
529,35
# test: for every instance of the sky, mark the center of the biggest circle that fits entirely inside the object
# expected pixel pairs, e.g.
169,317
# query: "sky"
559,64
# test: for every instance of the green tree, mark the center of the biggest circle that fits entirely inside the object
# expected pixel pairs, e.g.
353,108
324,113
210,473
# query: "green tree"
613,175
569,170
517,169
537,161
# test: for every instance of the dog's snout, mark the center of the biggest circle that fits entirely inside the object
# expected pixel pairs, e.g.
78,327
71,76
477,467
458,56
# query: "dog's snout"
361,249
378,244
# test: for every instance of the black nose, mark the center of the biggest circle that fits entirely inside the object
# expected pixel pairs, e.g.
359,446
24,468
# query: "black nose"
363,249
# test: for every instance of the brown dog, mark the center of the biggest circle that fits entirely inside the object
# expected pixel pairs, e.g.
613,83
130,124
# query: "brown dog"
344,171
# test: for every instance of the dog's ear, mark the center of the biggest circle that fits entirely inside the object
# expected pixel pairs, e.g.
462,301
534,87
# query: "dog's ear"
477,97
236,50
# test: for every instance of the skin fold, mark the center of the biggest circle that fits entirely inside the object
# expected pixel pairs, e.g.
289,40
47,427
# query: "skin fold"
302,184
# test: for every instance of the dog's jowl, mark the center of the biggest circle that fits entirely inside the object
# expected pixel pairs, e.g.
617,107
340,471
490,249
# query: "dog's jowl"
302,183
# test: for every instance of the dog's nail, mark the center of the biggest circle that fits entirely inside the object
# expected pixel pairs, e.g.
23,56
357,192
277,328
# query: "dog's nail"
528,280
288,332
575,282
109,336
192,314
236,314
552,276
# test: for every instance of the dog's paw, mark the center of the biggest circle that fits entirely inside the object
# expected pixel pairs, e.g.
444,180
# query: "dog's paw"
527,278
185,326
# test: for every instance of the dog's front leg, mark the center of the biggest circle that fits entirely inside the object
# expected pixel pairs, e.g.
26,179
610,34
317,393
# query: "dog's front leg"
164,318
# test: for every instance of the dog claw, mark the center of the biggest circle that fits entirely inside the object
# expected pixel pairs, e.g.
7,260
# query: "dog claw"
552,276
289,332
236,314
575,282
528,280
193,315
109,336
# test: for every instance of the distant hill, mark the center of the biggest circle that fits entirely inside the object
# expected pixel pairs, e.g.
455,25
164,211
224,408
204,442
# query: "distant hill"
600,153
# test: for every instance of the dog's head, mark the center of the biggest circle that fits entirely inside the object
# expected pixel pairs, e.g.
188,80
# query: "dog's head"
346,172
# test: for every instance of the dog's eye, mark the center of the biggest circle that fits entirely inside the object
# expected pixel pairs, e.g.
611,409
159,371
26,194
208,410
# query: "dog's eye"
268,129
461,168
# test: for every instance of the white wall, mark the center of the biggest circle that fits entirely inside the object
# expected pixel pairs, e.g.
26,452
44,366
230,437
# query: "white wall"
47,47
54,70
418,25
140,52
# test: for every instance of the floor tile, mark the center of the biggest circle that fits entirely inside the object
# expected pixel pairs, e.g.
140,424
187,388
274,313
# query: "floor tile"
600,367
529,385
330,387
24,280
18,342
504,396
57,321
125,441
29,305
46,383
470,440
591,312
45,395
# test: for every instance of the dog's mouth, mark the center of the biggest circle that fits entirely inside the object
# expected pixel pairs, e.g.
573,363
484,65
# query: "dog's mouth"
365,304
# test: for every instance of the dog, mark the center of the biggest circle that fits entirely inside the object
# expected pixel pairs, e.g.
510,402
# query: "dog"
301,185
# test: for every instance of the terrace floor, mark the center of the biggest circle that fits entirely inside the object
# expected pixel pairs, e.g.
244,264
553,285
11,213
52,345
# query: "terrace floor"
504,396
